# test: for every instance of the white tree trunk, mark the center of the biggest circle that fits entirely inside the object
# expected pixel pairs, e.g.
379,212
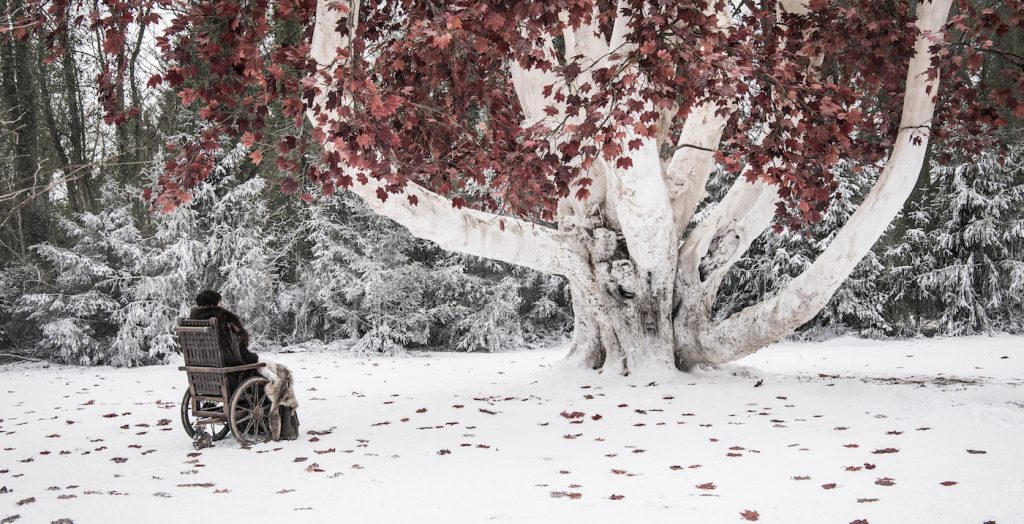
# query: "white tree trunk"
642,291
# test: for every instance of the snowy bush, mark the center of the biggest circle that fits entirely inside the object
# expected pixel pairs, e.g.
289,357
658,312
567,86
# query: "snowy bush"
367,278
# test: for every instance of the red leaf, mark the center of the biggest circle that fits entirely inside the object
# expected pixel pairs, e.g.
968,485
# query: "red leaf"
256,157
113,41
750,515
382,195
187,96
289,186
560,494
154,81
611,150
948,483
441,41
365,140
885,481
624,163
706,485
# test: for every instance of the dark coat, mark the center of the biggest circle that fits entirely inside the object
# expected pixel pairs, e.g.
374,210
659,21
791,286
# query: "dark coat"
231,330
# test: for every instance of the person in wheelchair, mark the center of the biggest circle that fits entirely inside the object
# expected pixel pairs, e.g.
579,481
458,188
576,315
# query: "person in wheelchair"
234,339
234,343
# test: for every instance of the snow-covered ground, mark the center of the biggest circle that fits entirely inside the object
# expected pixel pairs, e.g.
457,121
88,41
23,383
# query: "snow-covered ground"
908,432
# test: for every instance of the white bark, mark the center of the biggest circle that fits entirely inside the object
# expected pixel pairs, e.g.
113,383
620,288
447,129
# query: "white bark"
721,239
694,158
764,323
692,163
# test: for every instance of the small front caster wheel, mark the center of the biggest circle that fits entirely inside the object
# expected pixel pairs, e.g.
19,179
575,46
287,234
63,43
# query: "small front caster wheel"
201,439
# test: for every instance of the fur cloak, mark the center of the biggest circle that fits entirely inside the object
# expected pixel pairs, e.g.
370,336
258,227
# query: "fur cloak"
281,392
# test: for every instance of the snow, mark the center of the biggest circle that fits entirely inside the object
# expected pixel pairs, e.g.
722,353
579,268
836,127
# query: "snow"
822,407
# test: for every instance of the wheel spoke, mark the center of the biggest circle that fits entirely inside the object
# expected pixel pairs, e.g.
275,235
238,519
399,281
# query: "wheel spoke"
263,425
243,419
248,426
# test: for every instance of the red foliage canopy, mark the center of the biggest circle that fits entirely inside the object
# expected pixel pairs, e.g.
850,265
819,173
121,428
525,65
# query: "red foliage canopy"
428,97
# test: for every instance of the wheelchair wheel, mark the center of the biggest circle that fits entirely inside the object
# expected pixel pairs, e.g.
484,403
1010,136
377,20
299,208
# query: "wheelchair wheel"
217,431
249,414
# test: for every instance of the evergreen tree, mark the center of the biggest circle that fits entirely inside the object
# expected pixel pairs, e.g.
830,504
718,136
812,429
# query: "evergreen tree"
77,314
976,237
906,305
776,257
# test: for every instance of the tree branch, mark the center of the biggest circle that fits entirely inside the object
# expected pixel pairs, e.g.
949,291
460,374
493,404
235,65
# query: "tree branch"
772,319
434,217
722,238
693,161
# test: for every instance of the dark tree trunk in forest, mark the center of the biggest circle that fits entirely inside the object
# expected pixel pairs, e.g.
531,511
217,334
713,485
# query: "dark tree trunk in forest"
18,64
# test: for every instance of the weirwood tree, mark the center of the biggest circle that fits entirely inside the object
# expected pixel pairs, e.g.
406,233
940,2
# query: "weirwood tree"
576,137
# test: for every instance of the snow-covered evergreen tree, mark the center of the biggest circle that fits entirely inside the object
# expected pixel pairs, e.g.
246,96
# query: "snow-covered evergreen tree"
906,254
245,244
367,278
124,278
777,257
76,314
976,237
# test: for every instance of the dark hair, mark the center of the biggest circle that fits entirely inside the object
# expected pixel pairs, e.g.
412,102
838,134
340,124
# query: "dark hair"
208,297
